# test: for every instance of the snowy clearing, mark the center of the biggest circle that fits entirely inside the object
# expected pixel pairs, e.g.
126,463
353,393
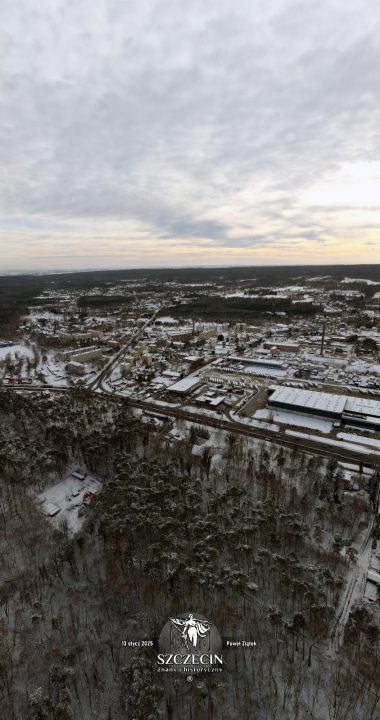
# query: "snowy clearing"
12,350
63,501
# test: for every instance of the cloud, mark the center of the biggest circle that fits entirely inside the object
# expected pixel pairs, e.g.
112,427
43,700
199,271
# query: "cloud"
177,127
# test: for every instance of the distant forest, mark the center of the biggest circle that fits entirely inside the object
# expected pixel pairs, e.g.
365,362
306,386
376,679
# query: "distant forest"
106,301
214,307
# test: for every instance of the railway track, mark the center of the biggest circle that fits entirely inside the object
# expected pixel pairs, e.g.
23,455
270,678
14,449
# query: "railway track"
232,425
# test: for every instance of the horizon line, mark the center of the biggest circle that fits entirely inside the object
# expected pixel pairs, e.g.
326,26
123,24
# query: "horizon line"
66,271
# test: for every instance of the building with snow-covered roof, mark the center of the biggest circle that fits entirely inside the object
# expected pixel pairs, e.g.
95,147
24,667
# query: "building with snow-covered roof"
185,386
259,362
349,410
75,367
362,412
308,401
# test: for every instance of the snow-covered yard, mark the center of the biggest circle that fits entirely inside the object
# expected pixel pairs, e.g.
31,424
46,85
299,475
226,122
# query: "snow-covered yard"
362,439
63,501
293,418
335,443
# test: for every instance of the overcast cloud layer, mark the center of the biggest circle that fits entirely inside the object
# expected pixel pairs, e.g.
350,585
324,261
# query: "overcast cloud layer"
166,132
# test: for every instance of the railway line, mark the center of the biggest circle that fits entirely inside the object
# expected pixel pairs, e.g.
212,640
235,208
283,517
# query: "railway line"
370,460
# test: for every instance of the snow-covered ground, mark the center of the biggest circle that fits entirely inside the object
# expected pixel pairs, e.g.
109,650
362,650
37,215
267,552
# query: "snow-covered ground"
335,443
12,350
293,418
259,424
65,499
45,314
372,442
54,373
262,371
370,592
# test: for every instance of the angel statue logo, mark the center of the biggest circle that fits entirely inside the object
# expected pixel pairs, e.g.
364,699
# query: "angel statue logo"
189,643
191,630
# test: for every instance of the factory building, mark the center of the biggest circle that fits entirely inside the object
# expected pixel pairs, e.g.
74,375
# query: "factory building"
307,401
348,410
185,386
259,362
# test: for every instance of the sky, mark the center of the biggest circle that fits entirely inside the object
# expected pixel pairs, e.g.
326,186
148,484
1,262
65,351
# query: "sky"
199,132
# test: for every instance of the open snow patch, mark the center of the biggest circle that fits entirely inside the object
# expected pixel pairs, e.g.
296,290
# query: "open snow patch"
64,500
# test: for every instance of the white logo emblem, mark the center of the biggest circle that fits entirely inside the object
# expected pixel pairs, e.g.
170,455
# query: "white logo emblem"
191,630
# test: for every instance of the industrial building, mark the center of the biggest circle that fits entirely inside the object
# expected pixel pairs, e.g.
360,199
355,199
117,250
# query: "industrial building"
259,362
362,412
185,386
348,410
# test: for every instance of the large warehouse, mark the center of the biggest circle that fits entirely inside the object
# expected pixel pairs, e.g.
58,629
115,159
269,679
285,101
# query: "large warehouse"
185,386
349,410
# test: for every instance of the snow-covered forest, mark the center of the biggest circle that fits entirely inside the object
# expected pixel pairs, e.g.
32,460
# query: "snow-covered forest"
258,538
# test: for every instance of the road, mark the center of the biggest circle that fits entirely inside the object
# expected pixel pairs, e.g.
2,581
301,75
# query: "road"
97,381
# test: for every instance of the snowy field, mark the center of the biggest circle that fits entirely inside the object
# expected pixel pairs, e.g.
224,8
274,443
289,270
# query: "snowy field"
19,350
45,314
65,499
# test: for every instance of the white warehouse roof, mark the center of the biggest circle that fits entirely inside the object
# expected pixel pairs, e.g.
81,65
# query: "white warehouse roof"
185,385
361,409
364,406
310,399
